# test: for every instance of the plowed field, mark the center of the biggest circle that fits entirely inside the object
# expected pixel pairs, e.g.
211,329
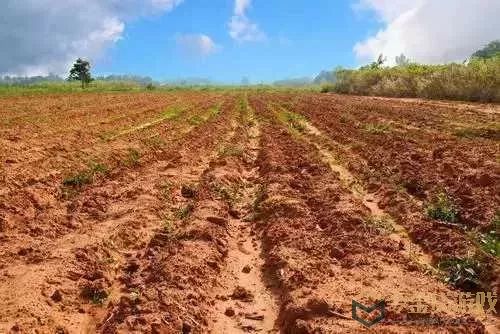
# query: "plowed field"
241,212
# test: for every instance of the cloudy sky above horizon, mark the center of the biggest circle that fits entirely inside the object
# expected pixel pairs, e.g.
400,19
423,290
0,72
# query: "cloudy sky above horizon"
225,40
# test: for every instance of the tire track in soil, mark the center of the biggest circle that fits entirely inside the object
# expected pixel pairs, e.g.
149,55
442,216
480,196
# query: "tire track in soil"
79,261
244,302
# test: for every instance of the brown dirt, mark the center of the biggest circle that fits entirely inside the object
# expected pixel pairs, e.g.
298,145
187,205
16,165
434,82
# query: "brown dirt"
225,218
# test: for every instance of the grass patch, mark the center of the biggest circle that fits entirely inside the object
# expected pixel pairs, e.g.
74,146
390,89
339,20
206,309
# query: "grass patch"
86,177
381,224
166,188
232,151
377,128
463,273
196,120
227,195
489,241
168,226
132,158
293,120
205,116
443,209
486,133
184,212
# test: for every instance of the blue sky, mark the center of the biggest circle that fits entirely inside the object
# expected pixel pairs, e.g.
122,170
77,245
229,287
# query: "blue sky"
226,40
299,39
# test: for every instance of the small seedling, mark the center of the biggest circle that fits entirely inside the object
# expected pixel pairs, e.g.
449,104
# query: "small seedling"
443,209
377,128
168,226
232,151
462,272
195,120
184,212
381,224
133,157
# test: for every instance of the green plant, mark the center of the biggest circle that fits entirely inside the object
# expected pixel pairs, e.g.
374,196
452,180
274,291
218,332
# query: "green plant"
133,157
381,224
78,180
464,273
168,226
185,211
150,86
195,120
86,177
489,241
443,209
232,151
377,128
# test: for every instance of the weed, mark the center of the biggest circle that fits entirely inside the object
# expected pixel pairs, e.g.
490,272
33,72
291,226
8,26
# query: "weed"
443,209
133,157
260,196
82,178
228,195
185,212
232,151
170,113
166,188
195,120
478,133
156,141
168,226
381,224
78,180
489,241
293,120
464,273
377,128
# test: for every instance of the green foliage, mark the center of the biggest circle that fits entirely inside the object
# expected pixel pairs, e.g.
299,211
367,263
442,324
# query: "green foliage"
465,273
150,86
185,211
133,157
489,51
489,241
80,72
377,128
443,209
86,177
476,80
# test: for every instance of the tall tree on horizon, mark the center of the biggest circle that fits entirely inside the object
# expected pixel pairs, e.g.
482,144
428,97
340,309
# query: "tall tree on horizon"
80,72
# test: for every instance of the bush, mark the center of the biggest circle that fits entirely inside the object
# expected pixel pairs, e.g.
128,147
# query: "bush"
477,80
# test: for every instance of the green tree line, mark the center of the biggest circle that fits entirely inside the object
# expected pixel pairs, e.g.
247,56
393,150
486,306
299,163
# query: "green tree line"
477,79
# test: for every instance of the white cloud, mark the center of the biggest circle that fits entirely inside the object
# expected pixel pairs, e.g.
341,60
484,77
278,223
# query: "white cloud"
241,28
430,31
42,36
196,46
241,6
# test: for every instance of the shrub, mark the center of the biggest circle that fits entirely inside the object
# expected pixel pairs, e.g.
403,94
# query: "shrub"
443,209
476,80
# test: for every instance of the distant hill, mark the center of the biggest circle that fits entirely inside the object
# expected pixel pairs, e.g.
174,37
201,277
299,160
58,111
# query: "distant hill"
143,80
13,80
324,77
294,82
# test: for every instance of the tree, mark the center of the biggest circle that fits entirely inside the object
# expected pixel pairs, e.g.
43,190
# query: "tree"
402,60
80,72
489,51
